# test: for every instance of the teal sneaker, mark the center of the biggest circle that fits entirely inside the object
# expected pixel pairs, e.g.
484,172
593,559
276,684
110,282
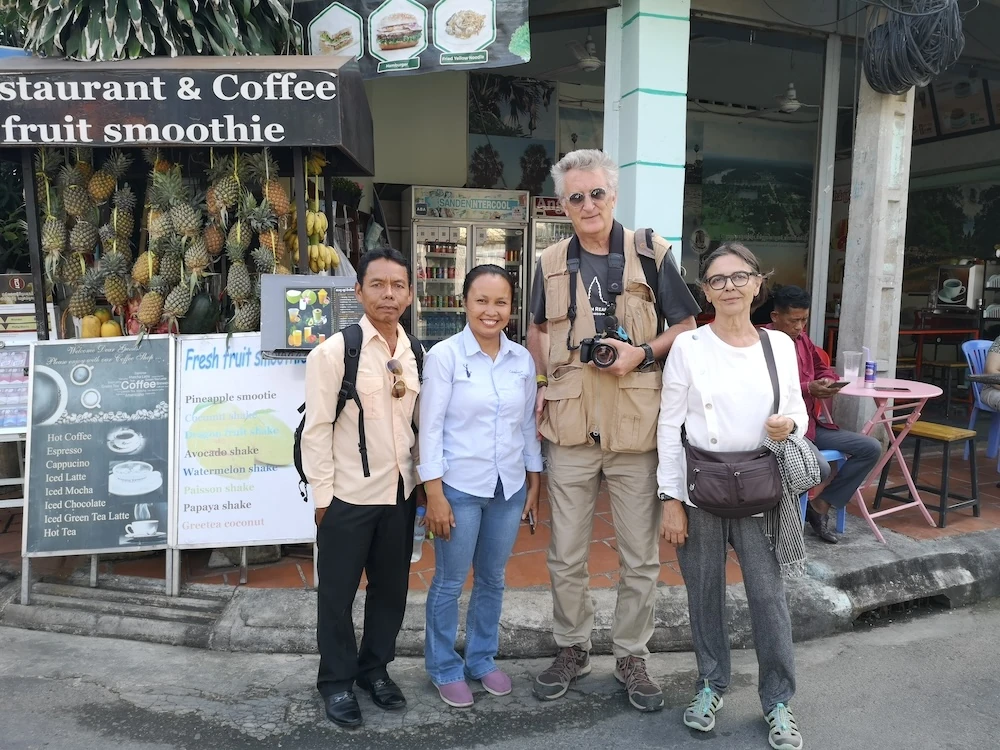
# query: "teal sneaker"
784,732
700,713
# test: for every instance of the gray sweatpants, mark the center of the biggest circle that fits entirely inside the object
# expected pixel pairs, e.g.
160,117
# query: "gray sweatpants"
702,560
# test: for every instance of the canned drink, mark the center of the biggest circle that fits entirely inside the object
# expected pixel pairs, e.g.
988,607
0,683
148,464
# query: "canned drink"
871,373
451,272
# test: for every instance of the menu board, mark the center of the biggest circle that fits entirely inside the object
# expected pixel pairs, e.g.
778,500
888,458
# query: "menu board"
99,439
923,116
14,389
236,483
411,36
961,104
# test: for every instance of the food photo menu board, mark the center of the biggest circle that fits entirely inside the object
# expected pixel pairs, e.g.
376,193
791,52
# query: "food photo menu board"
407,36
14,388
960,104
99,438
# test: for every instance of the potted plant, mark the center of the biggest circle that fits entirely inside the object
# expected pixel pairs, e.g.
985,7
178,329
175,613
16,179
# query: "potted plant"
346,192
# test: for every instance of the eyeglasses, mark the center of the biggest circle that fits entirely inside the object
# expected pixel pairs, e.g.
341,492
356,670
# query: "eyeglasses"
597,195
398,385
740,278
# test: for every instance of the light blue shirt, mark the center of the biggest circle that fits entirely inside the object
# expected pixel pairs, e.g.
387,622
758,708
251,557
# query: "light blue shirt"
477,416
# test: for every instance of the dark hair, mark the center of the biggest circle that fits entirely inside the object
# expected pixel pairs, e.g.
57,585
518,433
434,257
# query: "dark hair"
792,297
742,252
486,269
382,253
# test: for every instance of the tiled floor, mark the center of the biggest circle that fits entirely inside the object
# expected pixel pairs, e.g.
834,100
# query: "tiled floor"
527,567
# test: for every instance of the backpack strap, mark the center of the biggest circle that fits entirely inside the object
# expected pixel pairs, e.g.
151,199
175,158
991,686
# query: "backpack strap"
353,337
647,259
418,354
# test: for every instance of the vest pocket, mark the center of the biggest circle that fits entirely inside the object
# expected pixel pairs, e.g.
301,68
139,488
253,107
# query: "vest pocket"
563,419
640,315
637,407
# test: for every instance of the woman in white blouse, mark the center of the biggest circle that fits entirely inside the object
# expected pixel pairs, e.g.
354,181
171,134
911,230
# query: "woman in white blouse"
716,384
481,462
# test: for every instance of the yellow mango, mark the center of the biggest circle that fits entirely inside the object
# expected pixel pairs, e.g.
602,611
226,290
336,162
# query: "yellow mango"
110,328
104,314
90,327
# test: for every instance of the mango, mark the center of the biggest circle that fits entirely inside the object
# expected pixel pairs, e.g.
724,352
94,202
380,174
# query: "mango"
90,327
110,328
103,314
272,438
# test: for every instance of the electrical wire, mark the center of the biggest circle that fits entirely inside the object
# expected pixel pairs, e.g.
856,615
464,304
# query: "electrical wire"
910,42
792,21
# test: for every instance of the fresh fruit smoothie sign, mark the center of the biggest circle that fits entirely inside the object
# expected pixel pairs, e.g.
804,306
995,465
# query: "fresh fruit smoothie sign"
236,414
99,446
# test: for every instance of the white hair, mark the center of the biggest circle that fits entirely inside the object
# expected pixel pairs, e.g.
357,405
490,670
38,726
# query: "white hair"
587,160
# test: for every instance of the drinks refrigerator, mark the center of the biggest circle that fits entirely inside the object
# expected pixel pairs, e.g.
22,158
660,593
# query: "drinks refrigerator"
550,224
449,231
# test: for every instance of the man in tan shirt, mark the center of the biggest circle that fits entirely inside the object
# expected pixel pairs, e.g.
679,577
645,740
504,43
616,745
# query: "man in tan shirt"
363,523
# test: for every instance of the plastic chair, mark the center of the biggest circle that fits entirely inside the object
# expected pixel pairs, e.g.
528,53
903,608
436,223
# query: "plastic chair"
832,457
975,354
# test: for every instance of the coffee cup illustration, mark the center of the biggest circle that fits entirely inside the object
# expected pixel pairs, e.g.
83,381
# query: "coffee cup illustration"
953,288
141,528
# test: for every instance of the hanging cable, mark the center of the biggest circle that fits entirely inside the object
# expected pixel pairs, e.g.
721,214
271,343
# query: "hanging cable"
909,42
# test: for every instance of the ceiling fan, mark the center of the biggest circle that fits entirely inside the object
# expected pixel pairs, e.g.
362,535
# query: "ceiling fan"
786,104
586,58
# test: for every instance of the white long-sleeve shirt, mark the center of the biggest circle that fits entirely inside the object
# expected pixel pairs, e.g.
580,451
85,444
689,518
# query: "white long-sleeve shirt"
722,394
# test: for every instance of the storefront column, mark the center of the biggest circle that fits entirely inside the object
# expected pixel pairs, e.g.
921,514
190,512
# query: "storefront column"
873,271
819,258
646,111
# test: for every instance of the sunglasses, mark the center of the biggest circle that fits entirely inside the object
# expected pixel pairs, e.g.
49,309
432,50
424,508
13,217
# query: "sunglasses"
597,195
395,368
740,278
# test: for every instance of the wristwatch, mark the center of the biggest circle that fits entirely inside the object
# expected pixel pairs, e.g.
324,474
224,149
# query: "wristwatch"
664,497
649,360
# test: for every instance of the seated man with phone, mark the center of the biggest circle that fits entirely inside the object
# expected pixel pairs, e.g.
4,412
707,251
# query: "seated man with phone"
819,381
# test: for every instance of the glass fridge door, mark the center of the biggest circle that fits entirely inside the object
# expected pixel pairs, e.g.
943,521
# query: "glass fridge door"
441,253
504,246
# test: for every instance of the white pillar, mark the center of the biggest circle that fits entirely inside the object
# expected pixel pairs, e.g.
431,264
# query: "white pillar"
646,111
873,271
823,189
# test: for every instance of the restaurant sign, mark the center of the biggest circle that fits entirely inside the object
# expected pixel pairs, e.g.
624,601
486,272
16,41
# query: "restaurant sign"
185,107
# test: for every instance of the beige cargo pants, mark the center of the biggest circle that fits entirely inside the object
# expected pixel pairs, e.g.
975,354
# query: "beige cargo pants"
574,476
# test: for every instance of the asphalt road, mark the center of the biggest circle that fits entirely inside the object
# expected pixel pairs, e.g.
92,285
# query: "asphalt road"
929,683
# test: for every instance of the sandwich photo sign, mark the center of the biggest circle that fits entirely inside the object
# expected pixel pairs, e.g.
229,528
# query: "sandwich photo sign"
418,36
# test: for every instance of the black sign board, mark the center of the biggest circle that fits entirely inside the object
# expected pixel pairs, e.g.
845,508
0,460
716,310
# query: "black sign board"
261,101
99,442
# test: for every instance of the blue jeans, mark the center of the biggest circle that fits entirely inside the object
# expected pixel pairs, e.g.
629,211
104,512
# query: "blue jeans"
483,537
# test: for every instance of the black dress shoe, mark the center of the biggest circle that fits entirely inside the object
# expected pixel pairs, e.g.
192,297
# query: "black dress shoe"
385,693
343,709
820,523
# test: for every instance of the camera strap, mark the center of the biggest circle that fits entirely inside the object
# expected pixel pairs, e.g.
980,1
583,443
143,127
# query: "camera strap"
616,274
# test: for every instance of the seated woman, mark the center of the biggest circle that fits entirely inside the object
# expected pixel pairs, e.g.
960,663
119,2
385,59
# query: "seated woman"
990,394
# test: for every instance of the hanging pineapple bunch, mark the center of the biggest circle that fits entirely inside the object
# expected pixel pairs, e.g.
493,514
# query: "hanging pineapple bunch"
162,186
263,170
151,308
239,284
246,317
122,220
103,182
47,164
171,252
154,158
83,301
114,268
269,243
226,176
83,162
75,198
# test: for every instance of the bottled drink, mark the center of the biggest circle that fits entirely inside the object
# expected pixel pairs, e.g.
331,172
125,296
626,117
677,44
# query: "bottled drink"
419,532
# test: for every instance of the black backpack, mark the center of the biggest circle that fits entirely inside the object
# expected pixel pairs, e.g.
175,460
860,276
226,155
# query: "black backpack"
353,337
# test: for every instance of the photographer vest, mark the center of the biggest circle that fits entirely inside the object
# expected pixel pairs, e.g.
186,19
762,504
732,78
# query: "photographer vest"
582,400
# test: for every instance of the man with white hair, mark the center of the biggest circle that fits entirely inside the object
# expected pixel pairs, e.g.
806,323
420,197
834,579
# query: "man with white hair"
598,302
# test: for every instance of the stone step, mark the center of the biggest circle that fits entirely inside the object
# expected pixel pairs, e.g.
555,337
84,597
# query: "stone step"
119,608
141,598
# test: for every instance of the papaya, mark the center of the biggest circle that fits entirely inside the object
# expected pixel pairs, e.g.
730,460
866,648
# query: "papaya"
90,327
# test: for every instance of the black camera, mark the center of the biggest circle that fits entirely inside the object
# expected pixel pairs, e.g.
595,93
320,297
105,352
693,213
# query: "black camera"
602,354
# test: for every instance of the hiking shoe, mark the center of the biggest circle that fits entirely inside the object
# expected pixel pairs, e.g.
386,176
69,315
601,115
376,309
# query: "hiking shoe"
570,663
700,713
784,734
643,693
820,523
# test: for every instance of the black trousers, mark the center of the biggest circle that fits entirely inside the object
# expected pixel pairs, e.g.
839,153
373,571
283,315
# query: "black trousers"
376,539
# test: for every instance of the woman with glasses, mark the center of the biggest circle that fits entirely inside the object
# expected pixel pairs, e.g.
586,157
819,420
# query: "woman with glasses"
718,387
480,464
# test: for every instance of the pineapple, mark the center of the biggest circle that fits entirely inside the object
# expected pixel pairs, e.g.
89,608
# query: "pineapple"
187,219
264,260
177,303
238,239
84,162
154,157
225,181
75,197
146,266
83,237
123,224
172,265
116,290
83,302
114,263
160,224
213,208
215,239
47,163
170,192
196,258
71,269
264,171
247,317
238,285
102,183
53,234
151,306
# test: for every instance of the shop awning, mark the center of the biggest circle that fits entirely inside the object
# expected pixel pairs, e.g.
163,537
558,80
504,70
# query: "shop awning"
275,101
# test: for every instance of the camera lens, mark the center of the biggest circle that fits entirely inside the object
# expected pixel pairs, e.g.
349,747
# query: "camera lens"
604,355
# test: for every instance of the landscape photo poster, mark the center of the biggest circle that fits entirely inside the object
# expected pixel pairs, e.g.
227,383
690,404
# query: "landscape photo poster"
99,446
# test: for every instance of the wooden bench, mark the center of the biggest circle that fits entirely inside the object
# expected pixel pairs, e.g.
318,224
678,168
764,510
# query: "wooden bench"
946,436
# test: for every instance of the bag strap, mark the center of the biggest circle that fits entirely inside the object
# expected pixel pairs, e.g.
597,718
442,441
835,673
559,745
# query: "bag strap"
772,368
647,259
418,354
353,338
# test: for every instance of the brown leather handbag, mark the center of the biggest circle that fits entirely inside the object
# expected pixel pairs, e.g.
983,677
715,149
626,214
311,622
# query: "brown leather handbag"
736,484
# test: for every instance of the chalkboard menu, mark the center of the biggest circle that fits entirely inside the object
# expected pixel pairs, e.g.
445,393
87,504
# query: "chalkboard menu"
99,439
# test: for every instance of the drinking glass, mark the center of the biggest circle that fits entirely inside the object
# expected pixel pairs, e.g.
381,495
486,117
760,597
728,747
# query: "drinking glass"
852,365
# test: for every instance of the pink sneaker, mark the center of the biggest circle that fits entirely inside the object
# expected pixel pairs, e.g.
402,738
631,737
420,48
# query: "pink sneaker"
497,683
456,694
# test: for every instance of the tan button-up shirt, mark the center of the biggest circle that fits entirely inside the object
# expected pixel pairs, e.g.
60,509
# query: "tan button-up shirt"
330,457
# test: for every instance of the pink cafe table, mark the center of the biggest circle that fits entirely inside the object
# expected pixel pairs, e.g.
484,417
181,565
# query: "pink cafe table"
896,401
